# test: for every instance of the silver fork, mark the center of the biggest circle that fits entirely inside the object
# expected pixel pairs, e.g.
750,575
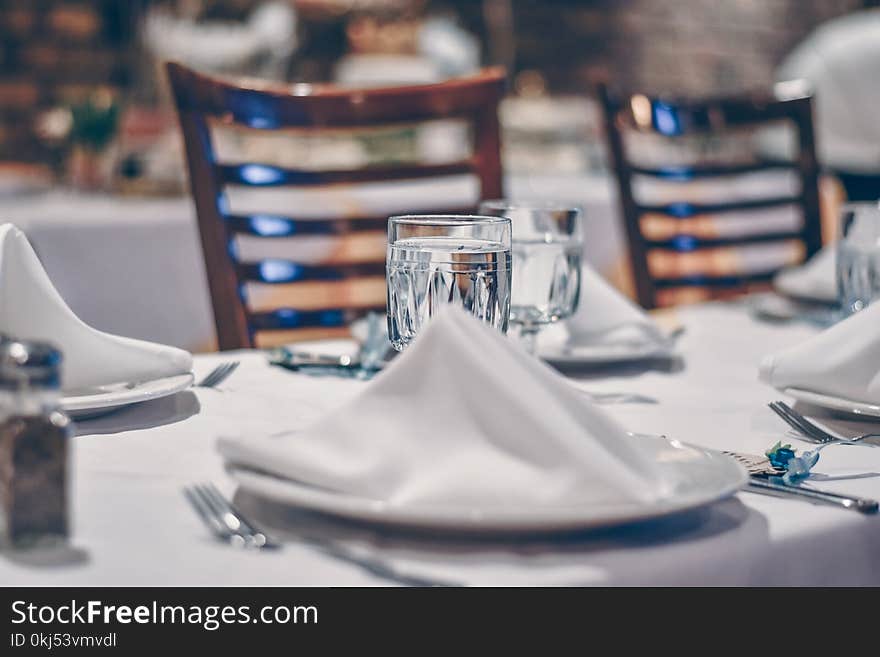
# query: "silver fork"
219,374
229,525
225,521
811,430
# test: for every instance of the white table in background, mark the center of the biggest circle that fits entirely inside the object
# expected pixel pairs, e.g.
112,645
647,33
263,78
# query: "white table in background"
133,527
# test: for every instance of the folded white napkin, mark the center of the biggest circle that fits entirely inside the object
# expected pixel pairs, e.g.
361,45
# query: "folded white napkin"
842,361
605,316
815,279
462,417
31,308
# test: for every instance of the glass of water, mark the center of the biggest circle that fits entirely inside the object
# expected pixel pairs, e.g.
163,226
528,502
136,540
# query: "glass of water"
547,249
858,256
433,260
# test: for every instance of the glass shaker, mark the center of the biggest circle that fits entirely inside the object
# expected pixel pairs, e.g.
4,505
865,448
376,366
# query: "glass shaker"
34,435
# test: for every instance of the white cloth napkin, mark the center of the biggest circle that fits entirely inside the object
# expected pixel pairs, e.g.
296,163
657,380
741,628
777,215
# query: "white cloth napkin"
463,417
605,316
31,308
815,279
842,361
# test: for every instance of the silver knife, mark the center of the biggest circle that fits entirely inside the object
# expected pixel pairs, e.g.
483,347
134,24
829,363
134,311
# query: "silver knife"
765,486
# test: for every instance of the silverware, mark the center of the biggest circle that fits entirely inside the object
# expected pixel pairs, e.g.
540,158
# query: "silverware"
764,479
811,430
229,525
219,374
754,464
768,487
225,521
370,359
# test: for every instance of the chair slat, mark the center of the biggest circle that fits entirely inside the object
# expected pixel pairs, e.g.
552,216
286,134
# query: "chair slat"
706,280
272,226
285,319
264,175
268,225
694,172
275,271
685,210
683,243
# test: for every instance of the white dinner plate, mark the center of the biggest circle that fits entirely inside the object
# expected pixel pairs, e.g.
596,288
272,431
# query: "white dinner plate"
701,477
553,346
602,354
105,399
834,403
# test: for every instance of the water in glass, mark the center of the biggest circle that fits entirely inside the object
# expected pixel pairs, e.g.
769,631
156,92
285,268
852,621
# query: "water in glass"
858,257
546,280
425,273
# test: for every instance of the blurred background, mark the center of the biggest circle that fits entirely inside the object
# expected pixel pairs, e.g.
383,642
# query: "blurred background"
81,77
91,156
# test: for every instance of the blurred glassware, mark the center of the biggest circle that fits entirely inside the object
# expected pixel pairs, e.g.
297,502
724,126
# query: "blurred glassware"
858,256
436,260
94,122
261,46
547,247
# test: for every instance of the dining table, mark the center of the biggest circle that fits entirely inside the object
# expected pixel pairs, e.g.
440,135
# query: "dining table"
132,525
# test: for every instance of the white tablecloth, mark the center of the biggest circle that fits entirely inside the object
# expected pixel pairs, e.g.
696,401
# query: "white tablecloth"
133,527
133,266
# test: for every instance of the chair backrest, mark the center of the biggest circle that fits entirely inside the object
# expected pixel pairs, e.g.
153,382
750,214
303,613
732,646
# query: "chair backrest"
204,102
669,121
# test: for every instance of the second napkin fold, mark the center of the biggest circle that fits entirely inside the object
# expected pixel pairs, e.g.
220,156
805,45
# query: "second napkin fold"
463,417
815,279
842,361
604,315
32,309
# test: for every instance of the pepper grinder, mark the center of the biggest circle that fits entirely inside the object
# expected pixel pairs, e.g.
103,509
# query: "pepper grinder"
34,435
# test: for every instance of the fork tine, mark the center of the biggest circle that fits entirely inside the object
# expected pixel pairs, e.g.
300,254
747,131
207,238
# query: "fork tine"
207,515
219,374
228,369
807,427
800,423
254,533
794,421
209,378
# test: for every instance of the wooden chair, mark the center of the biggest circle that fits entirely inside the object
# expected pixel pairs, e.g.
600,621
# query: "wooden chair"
204,102
669,120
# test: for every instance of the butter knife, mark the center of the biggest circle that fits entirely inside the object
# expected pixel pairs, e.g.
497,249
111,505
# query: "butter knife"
765,486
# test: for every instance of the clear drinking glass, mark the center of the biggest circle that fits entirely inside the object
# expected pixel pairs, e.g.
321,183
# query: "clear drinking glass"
858,256
433,260
547,249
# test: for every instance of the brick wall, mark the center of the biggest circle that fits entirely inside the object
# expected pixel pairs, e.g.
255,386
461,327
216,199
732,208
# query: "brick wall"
689,46
51,51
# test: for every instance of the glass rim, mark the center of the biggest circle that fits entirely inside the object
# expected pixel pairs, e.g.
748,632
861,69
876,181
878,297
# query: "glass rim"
447,219
527,204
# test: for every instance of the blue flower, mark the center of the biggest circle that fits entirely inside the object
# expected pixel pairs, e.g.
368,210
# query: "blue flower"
780,455
799,467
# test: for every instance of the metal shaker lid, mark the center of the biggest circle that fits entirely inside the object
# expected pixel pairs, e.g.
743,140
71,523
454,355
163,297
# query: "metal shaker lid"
29,362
